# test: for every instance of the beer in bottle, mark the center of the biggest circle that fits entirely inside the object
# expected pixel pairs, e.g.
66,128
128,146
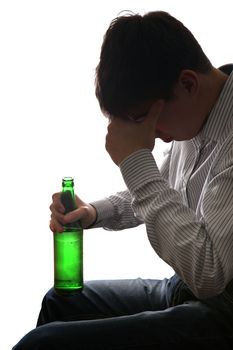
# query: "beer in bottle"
68,247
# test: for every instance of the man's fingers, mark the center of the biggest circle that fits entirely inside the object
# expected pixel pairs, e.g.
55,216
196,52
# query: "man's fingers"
155,112
55,226
75,215
57,204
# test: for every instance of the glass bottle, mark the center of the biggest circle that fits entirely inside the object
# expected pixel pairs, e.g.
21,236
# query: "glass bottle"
68,247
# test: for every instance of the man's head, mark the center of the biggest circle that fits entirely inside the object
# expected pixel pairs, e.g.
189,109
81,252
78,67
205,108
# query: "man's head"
142,58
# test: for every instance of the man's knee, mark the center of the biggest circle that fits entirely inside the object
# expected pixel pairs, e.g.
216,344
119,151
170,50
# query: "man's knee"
41,338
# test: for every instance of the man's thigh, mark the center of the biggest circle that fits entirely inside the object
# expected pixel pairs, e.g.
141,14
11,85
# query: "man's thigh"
101,299
191,325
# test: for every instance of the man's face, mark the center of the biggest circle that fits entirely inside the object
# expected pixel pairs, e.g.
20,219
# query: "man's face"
178,120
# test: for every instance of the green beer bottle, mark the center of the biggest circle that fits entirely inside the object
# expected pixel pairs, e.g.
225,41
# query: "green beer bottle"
68,247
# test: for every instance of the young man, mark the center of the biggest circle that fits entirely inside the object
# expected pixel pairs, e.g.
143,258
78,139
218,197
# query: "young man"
154,81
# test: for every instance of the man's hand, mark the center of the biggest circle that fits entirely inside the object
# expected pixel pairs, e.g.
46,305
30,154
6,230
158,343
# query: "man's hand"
125,137
85,213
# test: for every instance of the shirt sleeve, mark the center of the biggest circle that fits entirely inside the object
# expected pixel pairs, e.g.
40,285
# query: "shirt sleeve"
115,212
193,248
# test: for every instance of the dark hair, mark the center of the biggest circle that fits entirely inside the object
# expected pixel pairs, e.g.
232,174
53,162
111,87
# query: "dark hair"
141,59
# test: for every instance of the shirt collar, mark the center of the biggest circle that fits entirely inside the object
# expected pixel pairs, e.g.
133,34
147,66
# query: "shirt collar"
221,115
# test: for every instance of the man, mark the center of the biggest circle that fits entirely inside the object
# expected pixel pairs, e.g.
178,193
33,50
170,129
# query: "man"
154,81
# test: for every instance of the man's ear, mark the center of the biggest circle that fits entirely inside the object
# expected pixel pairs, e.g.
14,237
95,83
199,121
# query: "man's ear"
189,81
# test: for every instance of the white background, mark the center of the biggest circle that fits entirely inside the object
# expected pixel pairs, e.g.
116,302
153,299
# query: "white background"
51,127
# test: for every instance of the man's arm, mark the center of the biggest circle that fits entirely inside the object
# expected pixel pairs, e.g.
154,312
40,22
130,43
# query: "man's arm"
200,251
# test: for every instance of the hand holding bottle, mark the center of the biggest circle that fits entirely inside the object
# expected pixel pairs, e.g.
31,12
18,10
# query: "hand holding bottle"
85,213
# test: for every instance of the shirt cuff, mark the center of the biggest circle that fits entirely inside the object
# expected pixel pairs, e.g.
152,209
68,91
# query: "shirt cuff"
104,209
138,169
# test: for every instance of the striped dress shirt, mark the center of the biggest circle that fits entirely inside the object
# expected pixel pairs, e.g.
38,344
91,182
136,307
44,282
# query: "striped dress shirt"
187,205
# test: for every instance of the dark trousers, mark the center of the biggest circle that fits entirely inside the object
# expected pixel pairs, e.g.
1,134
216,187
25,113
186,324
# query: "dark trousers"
133,314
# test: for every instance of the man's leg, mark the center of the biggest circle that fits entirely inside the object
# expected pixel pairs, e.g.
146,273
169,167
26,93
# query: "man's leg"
189,326
132,314
102,299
